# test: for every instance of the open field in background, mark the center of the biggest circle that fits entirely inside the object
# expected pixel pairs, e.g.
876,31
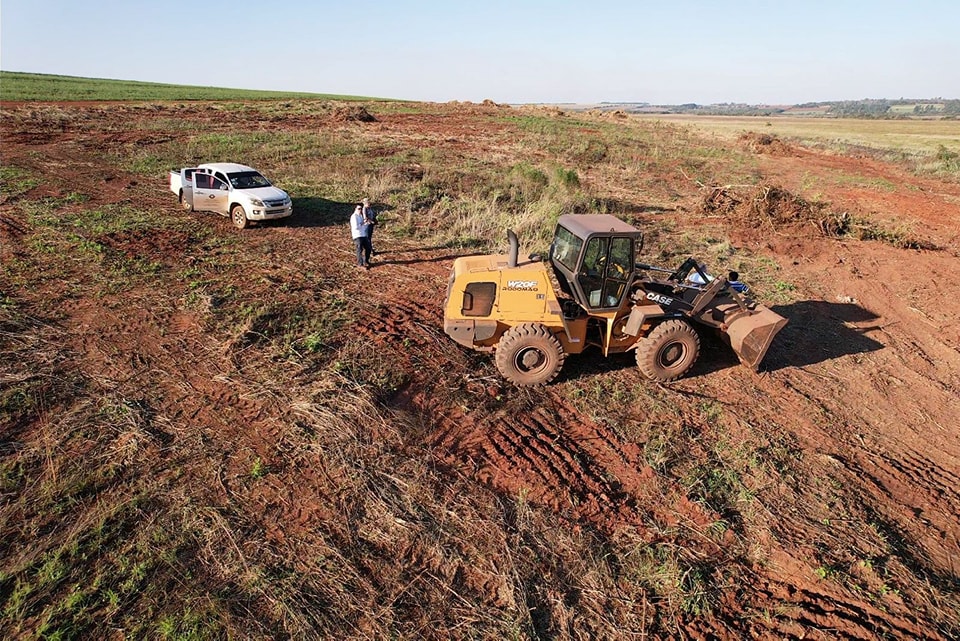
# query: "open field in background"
207,433
910,138
38,86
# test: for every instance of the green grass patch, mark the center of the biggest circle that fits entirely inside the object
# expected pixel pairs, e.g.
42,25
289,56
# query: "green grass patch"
37,86
15,181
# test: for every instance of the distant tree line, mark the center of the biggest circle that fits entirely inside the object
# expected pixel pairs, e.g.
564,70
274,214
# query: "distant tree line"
867,108
882,108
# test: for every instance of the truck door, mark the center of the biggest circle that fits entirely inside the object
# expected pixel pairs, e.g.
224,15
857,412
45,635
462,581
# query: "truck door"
221,194
202,192
209,192
186,185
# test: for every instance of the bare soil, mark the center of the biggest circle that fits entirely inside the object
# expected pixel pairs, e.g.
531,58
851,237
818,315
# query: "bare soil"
859,396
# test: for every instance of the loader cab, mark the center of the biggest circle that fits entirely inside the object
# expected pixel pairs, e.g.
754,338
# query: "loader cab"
593,257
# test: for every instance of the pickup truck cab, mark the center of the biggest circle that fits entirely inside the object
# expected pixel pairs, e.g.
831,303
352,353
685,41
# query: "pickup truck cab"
230,189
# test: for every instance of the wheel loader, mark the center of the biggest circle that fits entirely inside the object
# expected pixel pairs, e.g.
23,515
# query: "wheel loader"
591,292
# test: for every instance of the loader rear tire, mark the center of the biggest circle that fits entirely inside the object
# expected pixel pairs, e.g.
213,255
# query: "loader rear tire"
669,351
529,355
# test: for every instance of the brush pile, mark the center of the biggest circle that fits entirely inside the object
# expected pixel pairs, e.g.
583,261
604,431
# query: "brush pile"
771,206
765,144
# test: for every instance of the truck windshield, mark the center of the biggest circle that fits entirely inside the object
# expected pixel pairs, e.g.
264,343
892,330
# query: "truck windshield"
247,180
566,248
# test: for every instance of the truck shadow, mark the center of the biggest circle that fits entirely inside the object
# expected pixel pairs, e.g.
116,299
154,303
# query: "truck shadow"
319,212
818,331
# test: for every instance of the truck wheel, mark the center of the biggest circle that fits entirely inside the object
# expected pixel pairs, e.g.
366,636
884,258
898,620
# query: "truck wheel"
529,355
238,216
667,352
186,204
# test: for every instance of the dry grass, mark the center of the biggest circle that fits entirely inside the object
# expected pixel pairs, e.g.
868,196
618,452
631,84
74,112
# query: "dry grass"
333,517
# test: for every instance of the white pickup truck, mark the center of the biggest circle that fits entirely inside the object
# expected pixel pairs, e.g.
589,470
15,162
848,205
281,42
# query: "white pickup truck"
237,191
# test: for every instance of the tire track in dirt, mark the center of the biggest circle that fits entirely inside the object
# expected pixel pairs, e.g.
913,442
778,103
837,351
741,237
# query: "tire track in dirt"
161,357
880,457
552,456
808,612
393,319
859,492
893,492
529,457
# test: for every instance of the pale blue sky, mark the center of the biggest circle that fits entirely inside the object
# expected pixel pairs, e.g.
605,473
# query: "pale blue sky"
511,51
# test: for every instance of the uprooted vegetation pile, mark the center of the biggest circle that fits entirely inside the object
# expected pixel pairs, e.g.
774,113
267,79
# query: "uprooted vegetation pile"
351,113
765,144
767,206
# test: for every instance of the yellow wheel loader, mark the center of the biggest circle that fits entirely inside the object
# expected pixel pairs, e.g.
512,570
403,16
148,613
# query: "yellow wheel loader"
590,291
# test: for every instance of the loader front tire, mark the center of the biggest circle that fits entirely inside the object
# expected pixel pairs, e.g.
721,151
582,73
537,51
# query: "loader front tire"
669,351
529,355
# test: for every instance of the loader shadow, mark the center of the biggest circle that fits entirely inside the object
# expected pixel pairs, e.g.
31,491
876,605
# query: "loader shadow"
819,331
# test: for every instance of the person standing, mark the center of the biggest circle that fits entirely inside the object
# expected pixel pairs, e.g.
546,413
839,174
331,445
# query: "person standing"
370,214
361,237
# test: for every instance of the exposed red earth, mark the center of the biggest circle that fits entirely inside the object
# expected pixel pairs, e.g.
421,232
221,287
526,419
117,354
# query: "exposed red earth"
860,392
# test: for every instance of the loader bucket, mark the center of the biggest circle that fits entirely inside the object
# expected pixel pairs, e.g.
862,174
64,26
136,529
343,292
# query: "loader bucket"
751,334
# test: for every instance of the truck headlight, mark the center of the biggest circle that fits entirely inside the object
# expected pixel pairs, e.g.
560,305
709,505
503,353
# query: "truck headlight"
256,202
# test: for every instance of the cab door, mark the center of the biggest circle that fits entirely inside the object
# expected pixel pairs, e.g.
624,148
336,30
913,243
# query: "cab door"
605,271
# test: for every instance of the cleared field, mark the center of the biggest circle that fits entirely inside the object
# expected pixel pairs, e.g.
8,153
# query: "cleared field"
214,434
915,136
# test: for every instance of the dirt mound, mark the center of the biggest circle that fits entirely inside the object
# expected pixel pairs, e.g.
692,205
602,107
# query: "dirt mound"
765,144
351,113
767,205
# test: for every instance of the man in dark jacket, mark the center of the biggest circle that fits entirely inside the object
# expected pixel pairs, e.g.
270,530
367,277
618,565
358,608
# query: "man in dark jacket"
370,215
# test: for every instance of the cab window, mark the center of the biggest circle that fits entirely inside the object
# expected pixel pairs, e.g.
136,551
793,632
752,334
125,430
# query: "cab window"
618,271
566,248
621,254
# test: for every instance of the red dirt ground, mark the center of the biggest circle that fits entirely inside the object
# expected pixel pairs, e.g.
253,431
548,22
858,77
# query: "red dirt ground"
864,381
